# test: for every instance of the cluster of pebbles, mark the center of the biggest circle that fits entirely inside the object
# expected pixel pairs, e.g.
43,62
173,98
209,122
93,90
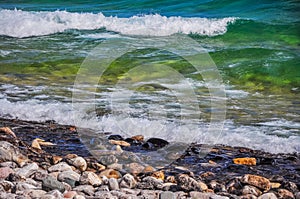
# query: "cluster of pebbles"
28,170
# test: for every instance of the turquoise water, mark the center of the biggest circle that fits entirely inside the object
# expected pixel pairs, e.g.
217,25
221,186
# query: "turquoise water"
254,45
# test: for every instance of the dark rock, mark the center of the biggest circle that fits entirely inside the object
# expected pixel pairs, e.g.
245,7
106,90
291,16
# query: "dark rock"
155,143
186,183
291,186
283,193
251,190
50,183
150,183
115,137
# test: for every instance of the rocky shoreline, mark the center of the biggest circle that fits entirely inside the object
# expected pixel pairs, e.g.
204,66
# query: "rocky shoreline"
47,160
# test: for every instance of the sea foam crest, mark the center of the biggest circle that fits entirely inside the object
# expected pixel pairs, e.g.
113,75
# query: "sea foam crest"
18,23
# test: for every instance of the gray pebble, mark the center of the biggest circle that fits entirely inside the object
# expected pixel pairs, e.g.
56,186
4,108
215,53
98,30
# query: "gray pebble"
50,183
113,184
128,181
167,195
28,170
268,196
86,189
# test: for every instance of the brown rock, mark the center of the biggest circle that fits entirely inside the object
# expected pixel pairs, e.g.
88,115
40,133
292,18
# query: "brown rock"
257,181
171,179
119,142
110,173
148,169
78,163
9,152
8,131
245,161
98,166
56,159
134,168
159,175
283,193
139,138
90,178
275,185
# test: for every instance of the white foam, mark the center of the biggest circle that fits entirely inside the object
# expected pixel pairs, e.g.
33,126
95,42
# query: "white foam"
255,137
18,23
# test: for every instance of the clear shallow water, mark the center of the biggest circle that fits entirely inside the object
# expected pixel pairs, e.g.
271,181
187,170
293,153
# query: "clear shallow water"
254,46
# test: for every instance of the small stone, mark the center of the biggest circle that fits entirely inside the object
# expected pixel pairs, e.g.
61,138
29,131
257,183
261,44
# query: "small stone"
103,188
158,175
275,185
134,168
56,159
70,194
60,167
50,183
150,194
169,186
167,195
108,159
87,189
104,195
245,161
131,191
40,175
23,186
248,196
150,182
251,190
110,173
187,183
69,177
139,138
6,185
297,195
196,194
291,186
8,131
283,193
148,169
214,196
90,178
171,179
113,184
9,164
9,152
119,142
128,181
33,182
217,187
48,196
56,193
98,166
5,171
267,196
28,170
34,193
67,186
79,197
79,163
257,181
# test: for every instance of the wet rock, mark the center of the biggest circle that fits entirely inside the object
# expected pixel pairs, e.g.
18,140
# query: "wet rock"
50,183
217,187
150,182
257,181
108,159
60,167
186,183
128,181
113,184
283,193
115,137
69,177
78,162
56,159
251,190
158,175
138,138
119,142
28,170
134,168
90,178
234,186
86,189
9,152
291,186
267,196
110,173
245,161
4,172
155,143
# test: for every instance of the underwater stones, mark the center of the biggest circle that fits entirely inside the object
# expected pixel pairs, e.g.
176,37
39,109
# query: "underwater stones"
155,143
257,181
245,161
9,152
119,142
115,137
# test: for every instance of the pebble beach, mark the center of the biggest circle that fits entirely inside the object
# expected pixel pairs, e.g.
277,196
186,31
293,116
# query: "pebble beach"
43,165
